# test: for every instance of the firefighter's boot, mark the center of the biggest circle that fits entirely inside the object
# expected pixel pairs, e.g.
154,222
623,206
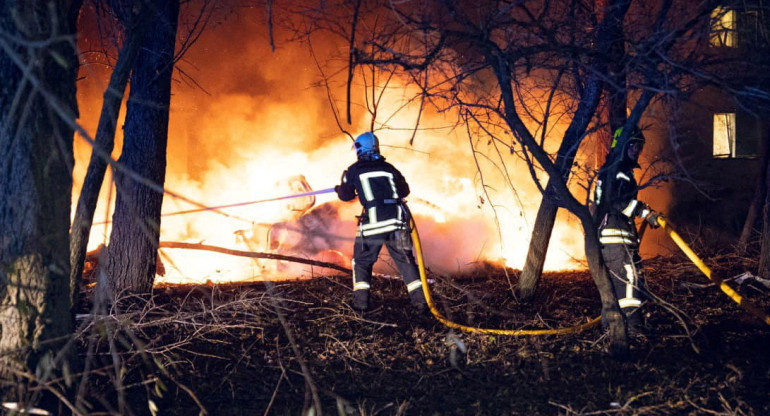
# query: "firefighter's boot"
417,298
635,321
361,300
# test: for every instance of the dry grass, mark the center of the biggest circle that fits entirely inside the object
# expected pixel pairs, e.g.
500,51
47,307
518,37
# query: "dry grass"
287,348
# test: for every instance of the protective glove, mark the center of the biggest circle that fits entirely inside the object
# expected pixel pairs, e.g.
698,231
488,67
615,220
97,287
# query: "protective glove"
649,215
652,219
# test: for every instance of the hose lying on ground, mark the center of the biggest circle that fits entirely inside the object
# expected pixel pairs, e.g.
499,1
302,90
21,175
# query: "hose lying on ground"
475,330
745,304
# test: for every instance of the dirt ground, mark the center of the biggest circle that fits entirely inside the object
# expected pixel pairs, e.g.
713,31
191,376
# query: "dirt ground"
278,348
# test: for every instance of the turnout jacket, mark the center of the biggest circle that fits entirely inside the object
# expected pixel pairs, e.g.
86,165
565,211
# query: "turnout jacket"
615,197
380,188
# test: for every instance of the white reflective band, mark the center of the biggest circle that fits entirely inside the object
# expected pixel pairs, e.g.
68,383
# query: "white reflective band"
598,192
414,285
629,211
360,286
616,240
379,224
381,227
616,232
629,302
630,280
622,175
381,230
365,177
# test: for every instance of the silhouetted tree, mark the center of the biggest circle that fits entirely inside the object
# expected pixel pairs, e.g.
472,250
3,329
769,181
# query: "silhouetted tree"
133,17
131,258
38,68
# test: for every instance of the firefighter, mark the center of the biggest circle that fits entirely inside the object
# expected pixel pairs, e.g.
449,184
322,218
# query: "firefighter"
381,190
616,208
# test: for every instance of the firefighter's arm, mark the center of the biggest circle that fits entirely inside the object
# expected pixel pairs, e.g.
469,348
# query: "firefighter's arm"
626,201
345,190
402,187
636,208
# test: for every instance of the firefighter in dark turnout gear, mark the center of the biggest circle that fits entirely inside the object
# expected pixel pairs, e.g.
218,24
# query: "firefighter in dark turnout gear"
616,208
380,188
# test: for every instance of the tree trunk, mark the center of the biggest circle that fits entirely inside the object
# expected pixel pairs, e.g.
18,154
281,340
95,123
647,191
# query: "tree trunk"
612,318
758,201
136,222
538,247
103,145
764,256
38,109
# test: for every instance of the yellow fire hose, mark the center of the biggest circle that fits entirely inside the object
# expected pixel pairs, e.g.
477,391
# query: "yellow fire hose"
703,268
475,330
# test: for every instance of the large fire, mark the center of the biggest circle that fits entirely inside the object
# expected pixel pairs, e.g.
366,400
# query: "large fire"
260,131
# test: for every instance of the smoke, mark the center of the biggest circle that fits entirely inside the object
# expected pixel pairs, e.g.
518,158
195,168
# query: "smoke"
245,120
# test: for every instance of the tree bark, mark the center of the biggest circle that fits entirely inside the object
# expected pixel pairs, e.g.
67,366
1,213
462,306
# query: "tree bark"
136,222
538,247
104,143
38,108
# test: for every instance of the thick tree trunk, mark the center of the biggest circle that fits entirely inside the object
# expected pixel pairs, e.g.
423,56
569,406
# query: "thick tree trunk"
36,162
103,145
136,221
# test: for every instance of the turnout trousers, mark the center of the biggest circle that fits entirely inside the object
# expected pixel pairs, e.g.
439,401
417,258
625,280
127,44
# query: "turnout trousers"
365,254
620,249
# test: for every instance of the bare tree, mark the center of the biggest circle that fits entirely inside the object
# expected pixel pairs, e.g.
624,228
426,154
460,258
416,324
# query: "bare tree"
608,54
38,66
133,18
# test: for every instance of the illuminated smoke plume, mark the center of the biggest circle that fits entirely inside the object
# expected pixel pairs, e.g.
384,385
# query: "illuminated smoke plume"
258,122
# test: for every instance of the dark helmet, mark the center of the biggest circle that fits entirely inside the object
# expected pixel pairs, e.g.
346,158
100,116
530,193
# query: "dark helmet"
636,135
367,146
619,150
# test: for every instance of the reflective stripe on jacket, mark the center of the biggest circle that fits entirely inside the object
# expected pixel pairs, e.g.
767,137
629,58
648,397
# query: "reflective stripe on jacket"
380,188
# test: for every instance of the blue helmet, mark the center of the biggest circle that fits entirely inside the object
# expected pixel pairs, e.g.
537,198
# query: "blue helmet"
367,146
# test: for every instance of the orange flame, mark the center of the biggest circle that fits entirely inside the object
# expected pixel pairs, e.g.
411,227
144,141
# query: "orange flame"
262,128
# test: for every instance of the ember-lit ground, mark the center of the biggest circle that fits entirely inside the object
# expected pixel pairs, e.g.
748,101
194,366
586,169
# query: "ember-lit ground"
249,349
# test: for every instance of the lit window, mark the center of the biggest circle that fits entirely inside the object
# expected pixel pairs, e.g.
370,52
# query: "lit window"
724,135
723,27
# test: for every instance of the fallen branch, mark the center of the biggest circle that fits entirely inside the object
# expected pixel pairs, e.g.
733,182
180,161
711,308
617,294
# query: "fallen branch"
271,256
